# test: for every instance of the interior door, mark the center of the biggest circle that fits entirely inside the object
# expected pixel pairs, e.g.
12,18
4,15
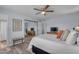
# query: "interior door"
3,30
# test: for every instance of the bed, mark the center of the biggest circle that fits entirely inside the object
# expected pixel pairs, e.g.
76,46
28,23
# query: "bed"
48,43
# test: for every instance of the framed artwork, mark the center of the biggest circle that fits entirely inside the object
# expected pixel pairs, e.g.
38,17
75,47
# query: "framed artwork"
17,25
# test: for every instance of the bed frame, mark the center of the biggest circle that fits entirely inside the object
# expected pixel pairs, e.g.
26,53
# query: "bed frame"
37,50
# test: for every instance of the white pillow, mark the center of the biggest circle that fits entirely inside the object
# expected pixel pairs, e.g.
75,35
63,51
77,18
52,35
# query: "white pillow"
65,35
72,38
78,41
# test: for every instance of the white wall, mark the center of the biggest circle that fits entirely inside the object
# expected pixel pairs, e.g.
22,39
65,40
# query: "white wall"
39,28
63,21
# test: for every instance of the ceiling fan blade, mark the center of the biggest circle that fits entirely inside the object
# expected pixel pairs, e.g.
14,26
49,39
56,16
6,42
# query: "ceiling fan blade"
50,11
38,13
46,7
38,9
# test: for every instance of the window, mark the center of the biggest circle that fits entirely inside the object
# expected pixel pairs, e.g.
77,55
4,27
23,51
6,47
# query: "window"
17,25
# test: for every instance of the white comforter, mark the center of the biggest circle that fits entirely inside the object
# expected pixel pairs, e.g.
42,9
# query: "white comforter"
50,44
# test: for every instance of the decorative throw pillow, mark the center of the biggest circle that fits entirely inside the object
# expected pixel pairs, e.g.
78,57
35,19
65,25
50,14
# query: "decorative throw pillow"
72,38
59,34
65,35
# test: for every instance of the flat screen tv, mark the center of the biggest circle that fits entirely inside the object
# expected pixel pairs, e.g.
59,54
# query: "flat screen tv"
54,29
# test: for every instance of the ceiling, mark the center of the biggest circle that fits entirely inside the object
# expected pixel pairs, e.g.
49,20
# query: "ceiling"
27,10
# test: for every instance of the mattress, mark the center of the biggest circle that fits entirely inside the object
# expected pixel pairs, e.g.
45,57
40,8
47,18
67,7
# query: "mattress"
53,46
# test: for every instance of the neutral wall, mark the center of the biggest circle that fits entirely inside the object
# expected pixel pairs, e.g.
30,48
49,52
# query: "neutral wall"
63,21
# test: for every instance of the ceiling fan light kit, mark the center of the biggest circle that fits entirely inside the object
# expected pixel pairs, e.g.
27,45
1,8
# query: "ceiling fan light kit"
43,13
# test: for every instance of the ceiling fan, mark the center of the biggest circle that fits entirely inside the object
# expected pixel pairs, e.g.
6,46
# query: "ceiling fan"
44,10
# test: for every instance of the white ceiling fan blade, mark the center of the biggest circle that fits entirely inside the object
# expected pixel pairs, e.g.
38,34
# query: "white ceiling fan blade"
50,11
38,13
38,9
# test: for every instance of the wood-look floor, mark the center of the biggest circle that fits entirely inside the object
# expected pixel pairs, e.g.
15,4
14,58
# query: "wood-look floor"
17,49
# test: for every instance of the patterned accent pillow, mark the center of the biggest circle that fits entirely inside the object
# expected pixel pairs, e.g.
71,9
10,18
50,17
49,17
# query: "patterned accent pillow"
59,34
65,35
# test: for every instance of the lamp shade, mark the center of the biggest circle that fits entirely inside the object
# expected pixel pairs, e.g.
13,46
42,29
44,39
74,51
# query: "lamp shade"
77,28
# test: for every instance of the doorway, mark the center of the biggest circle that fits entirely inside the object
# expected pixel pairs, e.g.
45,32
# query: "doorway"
31,24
